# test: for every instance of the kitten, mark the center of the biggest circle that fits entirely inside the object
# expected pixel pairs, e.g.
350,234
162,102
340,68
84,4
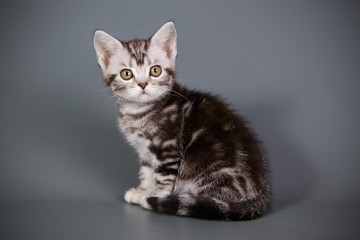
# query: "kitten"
197,157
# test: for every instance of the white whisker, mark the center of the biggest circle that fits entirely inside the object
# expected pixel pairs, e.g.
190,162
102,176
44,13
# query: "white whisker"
112,96
179,94
173,91
103,89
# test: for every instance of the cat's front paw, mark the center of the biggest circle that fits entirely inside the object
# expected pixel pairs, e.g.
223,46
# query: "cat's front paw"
134,195
144,203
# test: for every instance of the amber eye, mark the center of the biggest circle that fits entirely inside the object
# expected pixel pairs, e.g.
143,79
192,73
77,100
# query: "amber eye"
155,71
126,74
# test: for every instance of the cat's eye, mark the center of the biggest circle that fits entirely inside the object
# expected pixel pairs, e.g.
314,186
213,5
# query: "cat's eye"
155,71
126,74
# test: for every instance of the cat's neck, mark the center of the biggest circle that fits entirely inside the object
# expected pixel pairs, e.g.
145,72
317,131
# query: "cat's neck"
134,108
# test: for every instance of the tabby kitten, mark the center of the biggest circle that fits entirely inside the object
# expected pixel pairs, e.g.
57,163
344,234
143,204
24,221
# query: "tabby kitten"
197,157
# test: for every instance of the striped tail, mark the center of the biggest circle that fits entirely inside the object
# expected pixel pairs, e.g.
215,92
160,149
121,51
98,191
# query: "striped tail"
210,208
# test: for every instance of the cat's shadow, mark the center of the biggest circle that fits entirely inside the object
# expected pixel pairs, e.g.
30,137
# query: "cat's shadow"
292,174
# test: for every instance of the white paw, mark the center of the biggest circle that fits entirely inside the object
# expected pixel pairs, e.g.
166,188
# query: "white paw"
144,203
134,195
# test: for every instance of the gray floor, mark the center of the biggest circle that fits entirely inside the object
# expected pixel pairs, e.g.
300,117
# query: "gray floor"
117,220
290,67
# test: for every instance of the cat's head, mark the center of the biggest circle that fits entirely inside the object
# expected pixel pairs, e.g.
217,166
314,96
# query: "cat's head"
138,70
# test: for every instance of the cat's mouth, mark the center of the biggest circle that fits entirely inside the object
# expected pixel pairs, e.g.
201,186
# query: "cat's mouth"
144,96
144,93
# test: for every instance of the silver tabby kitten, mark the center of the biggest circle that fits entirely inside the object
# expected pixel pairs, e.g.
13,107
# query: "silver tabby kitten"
197,157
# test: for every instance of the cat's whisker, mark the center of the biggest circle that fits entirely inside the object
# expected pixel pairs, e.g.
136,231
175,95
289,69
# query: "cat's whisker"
171,90
126,97
122,97
179,94
112,96
103,89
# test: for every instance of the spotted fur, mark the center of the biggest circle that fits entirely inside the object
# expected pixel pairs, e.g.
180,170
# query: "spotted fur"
198,158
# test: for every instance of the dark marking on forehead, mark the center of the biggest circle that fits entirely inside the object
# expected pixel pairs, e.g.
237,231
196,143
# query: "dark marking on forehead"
137,49
139,58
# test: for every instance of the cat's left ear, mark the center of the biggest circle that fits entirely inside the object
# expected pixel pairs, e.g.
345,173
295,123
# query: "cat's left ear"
105,47
165,38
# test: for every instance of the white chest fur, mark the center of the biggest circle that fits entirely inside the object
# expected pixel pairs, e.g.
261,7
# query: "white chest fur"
137,139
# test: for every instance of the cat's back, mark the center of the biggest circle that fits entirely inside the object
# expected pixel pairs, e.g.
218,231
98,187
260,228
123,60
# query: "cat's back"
211,112
220,136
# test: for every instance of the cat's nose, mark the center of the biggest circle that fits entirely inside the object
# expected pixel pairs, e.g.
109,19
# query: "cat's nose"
143,85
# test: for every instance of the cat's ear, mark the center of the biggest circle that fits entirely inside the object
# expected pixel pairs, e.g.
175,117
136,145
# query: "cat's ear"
105,47
165,38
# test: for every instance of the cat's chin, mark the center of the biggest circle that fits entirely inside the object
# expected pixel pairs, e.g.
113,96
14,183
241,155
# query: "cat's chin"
143,98
148,97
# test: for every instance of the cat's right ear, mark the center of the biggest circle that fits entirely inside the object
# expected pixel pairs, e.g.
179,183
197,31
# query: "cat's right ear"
105,47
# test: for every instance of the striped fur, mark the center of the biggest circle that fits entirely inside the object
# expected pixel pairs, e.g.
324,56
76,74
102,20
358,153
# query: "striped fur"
198,158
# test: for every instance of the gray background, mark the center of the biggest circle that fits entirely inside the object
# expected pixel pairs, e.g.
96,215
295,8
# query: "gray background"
291,67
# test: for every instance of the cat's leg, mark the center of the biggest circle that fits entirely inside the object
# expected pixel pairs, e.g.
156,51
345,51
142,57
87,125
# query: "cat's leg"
146,187
164,176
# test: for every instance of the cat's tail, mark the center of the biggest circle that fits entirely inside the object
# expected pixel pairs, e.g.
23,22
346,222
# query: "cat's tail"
210,208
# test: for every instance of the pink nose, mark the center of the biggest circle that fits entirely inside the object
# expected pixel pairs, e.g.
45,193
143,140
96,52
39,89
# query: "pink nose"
143,85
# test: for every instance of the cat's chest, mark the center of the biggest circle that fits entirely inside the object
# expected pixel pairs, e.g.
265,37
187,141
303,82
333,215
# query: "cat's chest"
138,136
156,129
141,144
